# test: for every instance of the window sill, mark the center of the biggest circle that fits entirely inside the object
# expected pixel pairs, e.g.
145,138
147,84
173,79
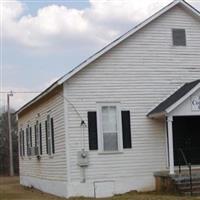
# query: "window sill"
110,152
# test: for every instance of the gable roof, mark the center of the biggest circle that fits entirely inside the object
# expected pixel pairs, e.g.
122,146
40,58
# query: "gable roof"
85,63
164,107
127,34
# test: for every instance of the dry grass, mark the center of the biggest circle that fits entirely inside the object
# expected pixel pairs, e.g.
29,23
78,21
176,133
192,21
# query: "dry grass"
11,190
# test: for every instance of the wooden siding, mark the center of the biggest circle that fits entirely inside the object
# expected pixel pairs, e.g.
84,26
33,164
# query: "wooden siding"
49,167
139,73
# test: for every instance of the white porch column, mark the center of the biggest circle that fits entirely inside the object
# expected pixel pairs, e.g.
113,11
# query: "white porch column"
170,142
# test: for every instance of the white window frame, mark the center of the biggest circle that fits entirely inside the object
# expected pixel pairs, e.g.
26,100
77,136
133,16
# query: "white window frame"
100,130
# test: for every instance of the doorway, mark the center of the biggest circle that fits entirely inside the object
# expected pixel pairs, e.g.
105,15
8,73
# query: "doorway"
186,136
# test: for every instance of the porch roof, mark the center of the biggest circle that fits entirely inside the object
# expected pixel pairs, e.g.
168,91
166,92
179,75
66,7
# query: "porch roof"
162,108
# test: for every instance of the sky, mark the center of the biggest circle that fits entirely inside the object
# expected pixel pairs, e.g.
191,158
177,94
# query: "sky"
43,40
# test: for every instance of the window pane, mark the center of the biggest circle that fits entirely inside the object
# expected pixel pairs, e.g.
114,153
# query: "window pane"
179,37
109,119
48,126
109,127
49,146
110,141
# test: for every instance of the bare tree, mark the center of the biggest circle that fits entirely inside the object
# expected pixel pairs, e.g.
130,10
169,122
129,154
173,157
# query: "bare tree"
4,143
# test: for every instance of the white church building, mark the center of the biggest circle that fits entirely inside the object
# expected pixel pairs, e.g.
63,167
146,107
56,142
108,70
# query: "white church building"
120,116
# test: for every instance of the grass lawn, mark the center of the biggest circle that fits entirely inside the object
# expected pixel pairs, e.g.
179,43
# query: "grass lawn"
11,190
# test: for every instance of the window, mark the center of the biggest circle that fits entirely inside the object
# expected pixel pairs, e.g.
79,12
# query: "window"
36,134
38,137
179,37
110,134
95,135
49,126
29,139
109,128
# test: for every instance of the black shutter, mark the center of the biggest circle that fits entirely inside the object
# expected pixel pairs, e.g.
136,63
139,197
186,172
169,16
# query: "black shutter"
40,138
46,137
126,129
52,136
35,136
31,136
92,130
23,143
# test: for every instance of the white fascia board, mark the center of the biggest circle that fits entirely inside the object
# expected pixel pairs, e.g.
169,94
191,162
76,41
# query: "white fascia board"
181,100
123,37
190,8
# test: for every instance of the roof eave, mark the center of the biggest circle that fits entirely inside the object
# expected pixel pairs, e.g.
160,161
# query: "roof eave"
181,100
157,115
38,97
172,107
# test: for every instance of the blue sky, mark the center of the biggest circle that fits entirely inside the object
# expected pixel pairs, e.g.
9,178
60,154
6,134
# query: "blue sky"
43,40
32,7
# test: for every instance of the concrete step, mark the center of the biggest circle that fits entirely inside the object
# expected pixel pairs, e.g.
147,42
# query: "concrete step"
194,182
194,193
187,188
186,179
183,184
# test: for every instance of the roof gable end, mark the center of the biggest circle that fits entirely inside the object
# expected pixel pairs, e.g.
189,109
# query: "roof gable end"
175,99
85,63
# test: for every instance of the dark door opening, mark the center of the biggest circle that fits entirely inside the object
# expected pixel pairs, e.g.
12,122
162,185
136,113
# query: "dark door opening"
186,135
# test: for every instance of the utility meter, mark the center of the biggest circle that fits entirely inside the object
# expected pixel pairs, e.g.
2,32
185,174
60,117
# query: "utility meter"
83,158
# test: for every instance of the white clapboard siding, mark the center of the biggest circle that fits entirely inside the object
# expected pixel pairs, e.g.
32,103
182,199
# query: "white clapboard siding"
47,168
139,73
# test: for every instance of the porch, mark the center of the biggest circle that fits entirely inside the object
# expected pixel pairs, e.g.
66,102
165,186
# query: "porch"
181,112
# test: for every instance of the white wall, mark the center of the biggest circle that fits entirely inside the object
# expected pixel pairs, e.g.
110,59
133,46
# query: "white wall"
139,73
58,188
49,169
